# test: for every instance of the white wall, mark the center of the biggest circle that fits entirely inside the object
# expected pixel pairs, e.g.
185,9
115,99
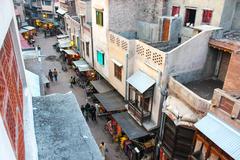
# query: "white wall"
6,149
100,36
6,14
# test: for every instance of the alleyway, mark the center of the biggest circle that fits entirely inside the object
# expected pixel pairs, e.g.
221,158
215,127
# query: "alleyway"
62,86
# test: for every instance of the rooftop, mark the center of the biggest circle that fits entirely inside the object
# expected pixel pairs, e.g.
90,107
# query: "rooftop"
204,88
232,35
61,130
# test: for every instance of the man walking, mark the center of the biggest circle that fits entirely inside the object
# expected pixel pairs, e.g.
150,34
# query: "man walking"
50,75
93,113
55,74
86,110
103,149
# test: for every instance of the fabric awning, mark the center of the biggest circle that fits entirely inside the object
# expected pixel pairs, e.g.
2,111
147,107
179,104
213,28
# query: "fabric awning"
220,133
61,11
129,125
111,101
64,43
29,28
101,86
69,51
24,43
62,36
82,65
141,81
22,30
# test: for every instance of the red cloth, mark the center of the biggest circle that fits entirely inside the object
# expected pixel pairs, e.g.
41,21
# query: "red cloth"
207,16
175,10
24,43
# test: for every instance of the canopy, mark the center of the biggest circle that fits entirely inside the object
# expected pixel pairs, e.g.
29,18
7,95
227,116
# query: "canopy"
101,86
62,36
141,81
29,28
220,133
82,65
61,11
22,30
24,43
112,101
64,43
129,125
69,51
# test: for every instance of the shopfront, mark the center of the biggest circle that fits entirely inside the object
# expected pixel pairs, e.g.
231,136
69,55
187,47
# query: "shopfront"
70,56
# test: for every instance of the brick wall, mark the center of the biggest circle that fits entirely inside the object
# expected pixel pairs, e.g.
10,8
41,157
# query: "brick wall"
11,97
232,80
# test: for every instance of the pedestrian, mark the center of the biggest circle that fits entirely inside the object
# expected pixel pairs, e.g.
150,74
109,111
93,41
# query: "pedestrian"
87,110
82,109
71,82
93,113
103,149
39,48
50,75
55,74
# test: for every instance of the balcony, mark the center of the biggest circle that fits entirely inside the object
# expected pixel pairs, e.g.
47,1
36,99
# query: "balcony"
138,113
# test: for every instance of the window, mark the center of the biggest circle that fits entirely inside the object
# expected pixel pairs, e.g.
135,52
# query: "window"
118,71
100,57
175,10
99,17
190,17
87,48
207,16
46,2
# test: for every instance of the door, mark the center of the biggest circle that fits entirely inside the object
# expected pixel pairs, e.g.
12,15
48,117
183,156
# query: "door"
166,29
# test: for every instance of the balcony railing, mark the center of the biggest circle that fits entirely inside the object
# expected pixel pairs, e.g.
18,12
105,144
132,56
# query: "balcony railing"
140,115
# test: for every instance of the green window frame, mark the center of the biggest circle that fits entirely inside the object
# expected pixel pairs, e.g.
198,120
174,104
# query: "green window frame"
100,57
99,17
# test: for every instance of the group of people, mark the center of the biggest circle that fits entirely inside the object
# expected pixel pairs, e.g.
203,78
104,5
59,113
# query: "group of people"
89,110
53,74
72,81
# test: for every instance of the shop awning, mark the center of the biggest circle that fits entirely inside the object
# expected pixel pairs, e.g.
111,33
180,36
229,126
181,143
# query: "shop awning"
62,36
220,133
29,28
129,125
141,81
24,43
101,86
69,51
82,65
22,30
111,101
61,11
64,43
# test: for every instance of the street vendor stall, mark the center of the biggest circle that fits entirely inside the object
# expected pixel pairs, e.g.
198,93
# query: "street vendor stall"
70,56
83,69
135,141
28,32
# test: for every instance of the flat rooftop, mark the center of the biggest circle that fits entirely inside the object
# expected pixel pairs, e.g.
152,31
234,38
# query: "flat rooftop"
61,130
204,88
232,35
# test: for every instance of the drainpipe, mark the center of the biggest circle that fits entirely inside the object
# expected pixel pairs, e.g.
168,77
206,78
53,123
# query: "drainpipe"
126,75
164,94
92,47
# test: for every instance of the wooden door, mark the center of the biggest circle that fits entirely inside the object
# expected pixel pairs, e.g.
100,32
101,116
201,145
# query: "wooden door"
166,29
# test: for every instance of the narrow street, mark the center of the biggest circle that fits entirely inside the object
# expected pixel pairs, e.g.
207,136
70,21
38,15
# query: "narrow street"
51,61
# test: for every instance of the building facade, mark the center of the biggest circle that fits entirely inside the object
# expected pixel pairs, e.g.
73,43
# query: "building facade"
14,95
194,13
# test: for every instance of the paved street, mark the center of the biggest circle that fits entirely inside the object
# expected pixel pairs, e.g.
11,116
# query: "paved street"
62,86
